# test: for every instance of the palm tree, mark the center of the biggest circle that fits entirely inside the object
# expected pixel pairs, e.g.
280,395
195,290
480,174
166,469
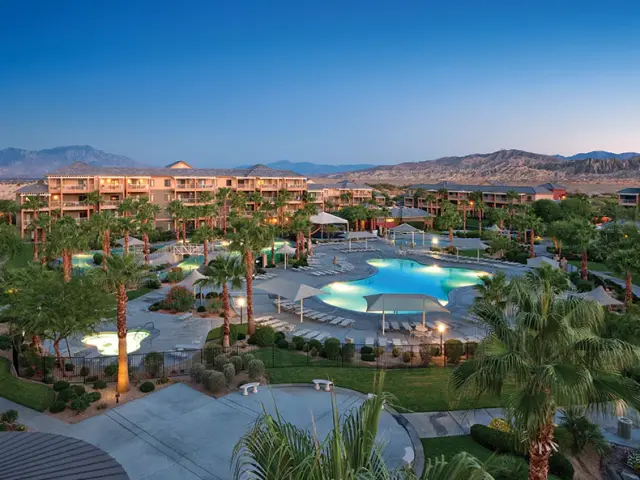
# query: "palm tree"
8,208
127,225
497,216
224,270
238,201
299,225
347,197
512,197
256,199
547,349
127,206
627,263
204,234
222,196
102,224
208,209
465,205
283,198
66,238
43,223
176,210
449,219
535,224
123,272
36,204
146,217
94,198
494,289
271,232
249,238
579,233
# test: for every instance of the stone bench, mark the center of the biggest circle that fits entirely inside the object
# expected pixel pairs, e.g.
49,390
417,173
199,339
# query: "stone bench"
185,316
253,386
327,384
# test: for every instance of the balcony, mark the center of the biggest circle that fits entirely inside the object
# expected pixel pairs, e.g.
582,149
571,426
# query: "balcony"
246,186
69,204
75,187
138,186
188,201
111,187
296,186
110,204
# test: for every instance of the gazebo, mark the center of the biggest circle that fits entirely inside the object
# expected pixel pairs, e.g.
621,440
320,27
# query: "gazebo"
403,302
324,218
190,282
601,296
471,244
291,290
366,236
536,262
134,243
405,229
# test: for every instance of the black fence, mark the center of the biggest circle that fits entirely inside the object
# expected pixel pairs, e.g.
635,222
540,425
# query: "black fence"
290,355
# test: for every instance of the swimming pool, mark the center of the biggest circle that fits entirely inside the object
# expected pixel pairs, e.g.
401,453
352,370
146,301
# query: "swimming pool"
400,276
107,342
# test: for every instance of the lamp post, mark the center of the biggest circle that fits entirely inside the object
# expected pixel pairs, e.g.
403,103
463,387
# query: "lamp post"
442,328
241,302
434,242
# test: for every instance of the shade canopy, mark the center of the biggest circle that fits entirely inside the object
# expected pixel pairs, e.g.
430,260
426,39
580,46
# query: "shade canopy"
404,228
324,218
392,302
408,212
494,228
133,242
191,280
286,249
361,236
291,290
601,296
472,244
540,261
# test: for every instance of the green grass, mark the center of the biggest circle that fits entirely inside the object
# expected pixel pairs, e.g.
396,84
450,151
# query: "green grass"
133,294
470,253
415,389
595,266
450,446
283,359
30,394
216,333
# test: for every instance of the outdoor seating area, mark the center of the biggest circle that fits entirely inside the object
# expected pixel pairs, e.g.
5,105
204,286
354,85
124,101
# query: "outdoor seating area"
294,307
459,258
276,324
316,269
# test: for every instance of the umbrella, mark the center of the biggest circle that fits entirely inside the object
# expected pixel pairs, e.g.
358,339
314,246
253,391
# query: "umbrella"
133,242
292,291
540,261
360,236
286,249
601,296
384,302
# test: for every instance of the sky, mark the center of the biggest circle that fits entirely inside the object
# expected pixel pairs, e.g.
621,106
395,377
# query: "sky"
227,83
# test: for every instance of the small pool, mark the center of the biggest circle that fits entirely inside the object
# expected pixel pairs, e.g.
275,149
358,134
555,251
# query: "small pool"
107,342
400,276
82,261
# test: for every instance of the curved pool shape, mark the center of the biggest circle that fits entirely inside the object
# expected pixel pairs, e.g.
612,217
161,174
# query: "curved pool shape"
194,261
400,276
107,342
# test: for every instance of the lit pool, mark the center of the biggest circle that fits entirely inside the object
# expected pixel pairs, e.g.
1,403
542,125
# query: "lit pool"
82,261
107,342
194,261
400,276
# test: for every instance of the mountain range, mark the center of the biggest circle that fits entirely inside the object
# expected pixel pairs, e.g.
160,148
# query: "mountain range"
600,155
311,169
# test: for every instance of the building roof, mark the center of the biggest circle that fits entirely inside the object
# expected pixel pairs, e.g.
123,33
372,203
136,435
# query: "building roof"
633,190
343,185
408,212
483,188
81,168
45,455
179,164
553,186
33,189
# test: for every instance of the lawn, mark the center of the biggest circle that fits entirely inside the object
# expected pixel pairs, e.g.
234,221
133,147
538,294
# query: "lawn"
595,266
133,294
216,333
449,446
30,394
415,389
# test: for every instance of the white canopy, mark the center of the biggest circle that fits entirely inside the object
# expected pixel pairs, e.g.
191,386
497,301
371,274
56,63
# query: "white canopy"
291,290
361,235
402,302
324,218
494,228
472,244
601,296
190,281
162,258
540,261
404,228
286,249
133,242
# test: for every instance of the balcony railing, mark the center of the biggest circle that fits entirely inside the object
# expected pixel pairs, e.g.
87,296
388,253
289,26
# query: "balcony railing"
138,186
80,188
111,186
110,203
74,204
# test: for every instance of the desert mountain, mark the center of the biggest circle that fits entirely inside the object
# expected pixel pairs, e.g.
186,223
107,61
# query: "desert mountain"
307,168
600,155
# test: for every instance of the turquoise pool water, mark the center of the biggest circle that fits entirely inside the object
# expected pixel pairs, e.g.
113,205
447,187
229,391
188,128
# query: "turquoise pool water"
400,276
193,262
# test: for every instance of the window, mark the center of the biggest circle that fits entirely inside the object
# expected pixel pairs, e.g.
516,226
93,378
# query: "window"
152,197
229,183
152,182
167,182
167,197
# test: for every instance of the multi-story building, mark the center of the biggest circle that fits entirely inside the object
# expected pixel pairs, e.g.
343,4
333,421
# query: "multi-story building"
334,196
67,188
629,197
494,196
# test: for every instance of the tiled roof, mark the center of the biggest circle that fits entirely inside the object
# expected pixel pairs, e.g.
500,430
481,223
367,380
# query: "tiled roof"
453,187
632,190
80,168
33,189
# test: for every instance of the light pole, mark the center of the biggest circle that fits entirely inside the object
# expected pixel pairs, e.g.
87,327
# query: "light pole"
434,242
241,302
442,328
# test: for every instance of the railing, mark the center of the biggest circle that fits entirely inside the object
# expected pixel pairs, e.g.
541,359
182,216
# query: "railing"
76,187
74,204
137,186
110,203
111,186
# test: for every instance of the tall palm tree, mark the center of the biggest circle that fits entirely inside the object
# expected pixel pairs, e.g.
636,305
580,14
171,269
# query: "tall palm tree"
512,198
478,205
579,234
127,225
627,263
493,289
222,197
176,209
224,270
43,223
347,197
449,219
299,225
238,201
249,238
204,234
283,197
36,204
208,209
95,199
127,207
123,272
8,208
146,217
101,224
535,225
548,350
465,205
66,238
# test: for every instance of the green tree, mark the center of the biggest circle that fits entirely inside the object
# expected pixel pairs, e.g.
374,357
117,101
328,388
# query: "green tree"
513,197
10,242
493,289
579,233
43,224
299,225
176,209
126,225
497,216
204,234
123,272
500,245
95,199
431,199
449,219
627,263
283,197
464,204
478,204
66,239
547,349
222,199
102,224
558,231
535,225
208,209
548,210
9,209
224,270
146,213
578,207
36,204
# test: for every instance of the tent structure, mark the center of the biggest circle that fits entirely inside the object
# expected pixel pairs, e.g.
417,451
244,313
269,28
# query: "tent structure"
494,228
472,244
133,242
286,249
601,296
192,278
324,218
366,236
402,302
290,290
540,261
405,228
162,258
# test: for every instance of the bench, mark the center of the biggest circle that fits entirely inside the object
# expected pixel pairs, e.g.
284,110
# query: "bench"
327,384
185,316
245,388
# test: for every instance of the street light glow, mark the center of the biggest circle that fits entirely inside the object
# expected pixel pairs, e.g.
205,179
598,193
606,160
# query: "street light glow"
442,327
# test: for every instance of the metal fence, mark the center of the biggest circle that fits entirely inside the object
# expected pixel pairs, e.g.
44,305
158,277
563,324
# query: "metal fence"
310,354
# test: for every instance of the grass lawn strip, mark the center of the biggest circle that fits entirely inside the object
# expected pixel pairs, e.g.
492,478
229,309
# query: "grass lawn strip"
30,394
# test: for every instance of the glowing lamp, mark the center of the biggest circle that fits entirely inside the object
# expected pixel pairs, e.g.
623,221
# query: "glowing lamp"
442,327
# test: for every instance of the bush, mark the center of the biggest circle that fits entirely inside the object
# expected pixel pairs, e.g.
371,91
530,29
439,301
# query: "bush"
219,362
93,396
163,380
426,353
201,309
175,275
256,370
395,352
379,351
406,357
153,283
279,336
263,337
214,305
348,352
58,406
29,372
69,367
179,299
10,416
471,348
583,432
633,460
242,335
154,307
110,370
80,404
154,363
5,342
102,406
583,285
282,343
298,342
211,351
507,467
366,349
317,344
84,371
500,424
197,372
147,387
99,384
60,385
237,363
246,359
368,357
98,258
79,390
332,348
235,331
214,381
229,372
66,395
453,349
48,379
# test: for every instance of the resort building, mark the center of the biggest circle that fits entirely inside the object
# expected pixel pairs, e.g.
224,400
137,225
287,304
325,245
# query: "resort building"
334,196
495,196
629,197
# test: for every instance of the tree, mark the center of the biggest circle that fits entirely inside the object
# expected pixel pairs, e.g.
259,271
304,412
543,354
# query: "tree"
283,197
66,238
224,270
204,234
627,263
512,197
465,206
94,198
146,213
299,225
449,219
579,233
547,349
249,238
208,209
9,209
43,223
549,277
10,242
548,210
127,225
431,199
501,244
36,204
577,206
479,205
101,224
123,272
535,224
497,216
347,197
222,196
176,210
493,289
558,231
418,194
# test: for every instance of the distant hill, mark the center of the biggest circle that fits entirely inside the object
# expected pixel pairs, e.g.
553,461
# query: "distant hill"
16,162
310,169
600,155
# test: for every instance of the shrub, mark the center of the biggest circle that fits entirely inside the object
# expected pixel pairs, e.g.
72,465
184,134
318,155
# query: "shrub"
110,370
60,385
633,460
246,359
583,432
79,390
98,258
507,467
99,384
406,357
282,343
84,371
211,351
314,352
241,335
263,337
153,283
10,416
348,352
93,396
214,381
58,406
366,349
147,387
80,404
154,363
332,348
5,342
175,275
197,372
69,367
178,299
379,351
471,348
201,309
48,379
317,344
298,342
426,353
256,370
279,336
214,305
29,372
163,380
235,331
368,357
500,424
236,361
220,361
453,349
66,395
229,372
102,406
154,307
583,285
395,352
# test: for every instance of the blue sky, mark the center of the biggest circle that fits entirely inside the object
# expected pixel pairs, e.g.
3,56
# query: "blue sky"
227,83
